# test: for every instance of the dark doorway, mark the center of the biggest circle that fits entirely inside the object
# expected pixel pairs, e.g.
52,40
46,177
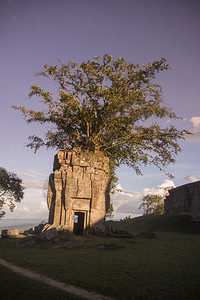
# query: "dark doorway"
79,223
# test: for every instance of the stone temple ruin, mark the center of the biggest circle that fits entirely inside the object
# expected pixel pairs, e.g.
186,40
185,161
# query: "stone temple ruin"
79,190
185,200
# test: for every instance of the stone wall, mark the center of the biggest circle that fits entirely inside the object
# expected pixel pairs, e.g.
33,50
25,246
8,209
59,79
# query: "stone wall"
79,188
184,199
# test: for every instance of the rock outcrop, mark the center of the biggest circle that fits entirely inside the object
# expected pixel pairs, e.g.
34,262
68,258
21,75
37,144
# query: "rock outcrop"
79,190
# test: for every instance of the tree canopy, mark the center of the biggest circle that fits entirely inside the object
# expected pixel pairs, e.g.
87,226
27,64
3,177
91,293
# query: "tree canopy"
110,106
11,189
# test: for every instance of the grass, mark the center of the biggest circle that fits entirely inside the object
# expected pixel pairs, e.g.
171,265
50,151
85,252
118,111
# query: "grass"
14,286
162,223
167,267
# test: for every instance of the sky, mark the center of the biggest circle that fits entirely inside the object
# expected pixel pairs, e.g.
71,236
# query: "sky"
34,33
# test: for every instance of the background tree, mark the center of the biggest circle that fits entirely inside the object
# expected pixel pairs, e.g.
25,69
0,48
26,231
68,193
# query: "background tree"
11,189
153,204
110,106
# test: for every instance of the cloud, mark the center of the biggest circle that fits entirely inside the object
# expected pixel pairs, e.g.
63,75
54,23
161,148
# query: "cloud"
43,207
20,174
34,184
190,178
37,173
127,202
23,209
195,130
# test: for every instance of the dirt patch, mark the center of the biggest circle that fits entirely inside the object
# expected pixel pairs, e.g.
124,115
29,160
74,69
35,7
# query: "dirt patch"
57,284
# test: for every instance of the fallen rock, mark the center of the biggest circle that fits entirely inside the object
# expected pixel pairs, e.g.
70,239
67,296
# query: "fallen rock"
29,240
9,233
98,230
36,229
49,234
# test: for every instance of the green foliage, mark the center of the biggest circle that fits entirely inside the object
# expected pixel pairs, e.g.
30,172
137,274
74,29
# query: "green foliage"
11,189
153,204
110,106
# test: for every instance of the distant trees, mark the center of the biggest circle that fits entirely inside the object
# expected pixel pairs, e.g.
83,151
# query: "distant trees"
106,105
11,189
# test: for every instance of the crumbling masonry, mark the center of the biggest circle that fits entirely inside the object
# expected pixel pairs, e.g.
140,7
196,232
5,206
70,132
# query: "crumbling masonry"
79,190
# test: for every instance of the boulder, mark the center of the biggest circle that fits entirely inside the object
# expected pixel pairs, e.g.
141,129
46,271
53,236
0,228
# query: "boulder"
98,230
27,241
49,234
9,233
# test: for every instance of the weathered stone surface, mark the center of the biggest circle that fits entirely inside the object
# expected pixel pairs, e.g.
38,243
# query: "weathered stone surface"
9,233
184,199
27,241
36,229
84,188
79,189
49,234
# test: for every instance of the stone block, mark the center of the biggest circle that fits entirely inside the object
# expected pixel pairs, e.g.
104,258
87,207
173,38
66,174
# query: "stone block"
58,183
71,188
75,160
77,172
97,194
81,204
68,157
84,188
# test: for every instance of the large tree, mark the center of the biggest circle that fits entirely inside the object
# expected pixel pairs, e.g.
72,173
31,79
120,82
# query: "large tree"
110,106
11,189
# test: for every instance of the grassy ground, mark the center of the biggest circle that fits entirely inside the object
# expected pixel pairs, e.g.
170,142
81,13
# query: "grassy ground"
13,286
167,267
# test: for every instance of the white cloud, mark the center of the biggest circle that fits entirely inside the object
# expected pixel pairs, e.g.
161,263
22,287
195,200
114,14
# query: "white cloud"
20,174
23,209
43,207
190,178
127,202
38,173
195,130
34,184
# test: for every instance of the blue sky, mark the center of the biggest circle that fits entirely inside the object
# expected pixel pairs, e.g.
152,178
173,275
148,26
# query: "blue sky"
34,33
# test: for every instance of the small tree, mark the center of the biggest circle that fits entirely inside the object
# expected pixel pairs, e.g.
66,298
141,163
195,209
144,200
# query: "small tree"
11,189
110,106
152,204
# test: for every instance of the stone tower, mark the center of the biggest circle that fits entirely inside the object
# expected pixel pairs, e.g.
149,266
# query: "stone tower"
79,190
